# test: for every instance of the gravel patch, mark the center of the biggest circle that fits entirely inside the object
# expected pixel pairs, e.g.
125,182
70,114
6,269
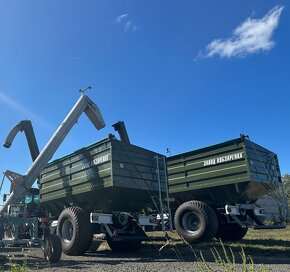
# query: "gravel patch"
102,259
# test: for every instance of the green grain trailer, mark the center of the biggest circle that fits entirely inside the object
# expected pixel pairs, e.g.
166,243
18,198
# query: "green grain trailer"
101,187
214,189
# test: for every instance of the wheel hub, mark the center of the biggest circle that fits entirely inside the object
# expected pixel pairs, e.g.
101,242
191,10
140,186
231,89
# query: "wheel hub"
190,222
67,231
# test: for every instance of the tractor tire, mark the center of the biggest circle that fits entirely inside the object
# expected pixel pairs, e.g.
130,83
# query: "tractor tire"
75,231
52,248
231,232
195,222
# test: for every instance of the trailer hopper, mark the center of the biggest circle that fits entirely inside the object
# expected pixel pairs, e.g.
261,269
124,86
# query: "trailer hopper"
109,175
236,171
215,189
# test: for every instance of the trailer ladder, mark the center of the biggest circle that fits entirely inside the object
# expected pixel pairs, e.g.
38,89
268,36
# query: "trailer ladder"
161,201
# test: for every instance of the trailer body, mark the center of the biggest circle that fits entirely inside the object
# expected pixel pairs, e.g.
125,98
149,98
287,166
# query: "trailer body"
236,171
107,176
214,189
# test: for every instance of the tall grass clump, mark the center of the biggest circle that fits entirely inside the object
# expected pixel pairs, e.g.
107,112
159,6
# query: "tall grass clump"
18,268
13,267
227,261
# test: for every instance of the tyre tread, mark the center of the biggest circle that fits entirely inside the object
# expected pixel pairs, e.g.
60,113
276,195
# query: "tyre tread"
210,216
83,235
54,242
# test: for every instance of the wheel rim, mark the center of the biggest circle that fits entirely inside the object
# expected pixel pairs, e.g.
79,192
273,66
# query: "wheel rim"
190,222
67,231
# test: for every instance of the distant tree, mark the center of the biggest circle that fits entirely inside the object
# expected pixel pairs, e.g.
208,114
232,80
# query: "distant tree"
286,181
281,195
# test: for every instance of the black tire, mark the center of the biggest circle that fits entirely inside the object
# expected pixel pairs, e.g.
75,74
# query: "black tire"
74,230
196,222
52,248
231,232
124,246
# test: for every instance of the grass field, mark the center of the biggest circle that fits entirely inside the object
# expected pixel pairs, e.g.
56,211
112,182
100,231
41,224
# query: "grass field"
267,242
261,245
269,250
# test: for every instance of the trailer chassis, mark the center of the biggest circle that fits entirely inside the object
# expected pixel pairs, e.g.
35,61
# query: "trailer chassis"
234,214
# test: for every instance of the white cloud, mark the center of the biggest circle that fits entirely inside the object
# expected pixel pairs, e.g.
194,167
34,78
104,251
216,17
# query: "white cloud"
121,17
252,36
126,22
127,26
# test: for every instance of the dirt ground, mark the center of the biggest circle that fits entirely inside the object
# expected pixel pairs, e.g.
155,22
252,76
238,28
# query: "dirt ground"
153,256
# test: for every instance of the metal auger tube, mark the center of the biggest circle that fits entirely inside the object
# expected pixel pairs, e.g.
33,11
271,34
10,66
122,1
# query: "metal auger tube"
24,183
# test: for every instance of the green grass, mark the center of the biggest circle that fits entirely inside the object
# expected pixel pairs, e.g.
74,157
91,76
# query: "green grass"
257,243
250,254
257,247
225,260
12,266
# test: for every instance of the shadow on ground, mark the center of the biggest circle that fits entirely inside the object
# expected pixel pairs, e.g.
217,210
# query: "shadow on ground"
266,251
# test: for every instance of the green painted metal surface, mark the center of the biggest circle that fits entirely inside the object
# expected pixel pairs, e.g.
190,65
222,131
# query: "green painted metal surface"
236,171
107,176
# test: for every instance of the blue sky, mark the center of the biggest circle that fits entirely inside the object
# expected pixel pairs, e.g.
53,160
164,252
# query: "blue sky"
182,76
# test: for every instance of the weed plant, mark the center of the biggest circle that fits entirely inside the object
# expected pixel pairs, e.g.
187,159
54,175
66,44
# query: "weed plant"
14,267
226,261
